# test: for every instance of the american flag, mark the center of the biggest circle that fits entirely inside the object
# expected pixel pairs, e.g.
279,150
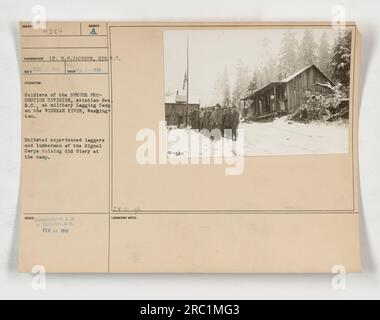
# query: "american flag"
184,81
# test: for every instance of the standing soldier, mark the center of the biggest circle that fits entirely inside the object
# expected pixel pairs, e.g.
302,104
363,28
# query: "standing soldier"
245,113
214,118
192,116
205,121
195,119
225,111
180,119
201,119
235,117
198,120
208,120
219,118
227,125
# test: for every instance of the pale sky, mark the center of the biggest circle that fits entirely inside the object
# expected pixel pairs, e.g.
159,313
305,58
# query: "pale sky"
211,51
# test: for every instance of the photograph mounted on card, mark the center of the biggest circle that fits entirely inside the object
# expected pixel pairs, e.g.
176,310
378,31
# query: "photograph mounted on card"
190,147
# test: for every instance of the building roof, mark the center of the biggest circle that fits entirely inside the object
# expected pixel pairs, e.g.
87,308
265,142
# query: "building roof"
172,99
286,80
294,75
261,89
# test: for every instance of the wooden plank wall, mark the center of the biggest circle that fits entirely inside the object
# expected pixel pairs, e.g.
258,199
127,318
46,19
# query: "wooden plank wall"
297,87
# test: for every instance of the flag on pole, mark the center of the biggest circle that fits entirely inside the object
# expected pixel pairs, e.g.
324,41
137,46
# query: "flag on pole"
184,81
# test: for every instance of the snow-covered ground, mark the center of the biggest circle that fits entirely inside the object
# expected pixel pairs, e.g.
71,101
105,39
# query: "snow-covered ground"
284,137
280,137
187,143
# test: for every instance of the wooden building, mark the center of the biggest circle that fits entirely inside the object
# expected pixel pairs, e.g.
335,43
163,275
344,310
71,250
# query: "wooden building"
281,97
175,111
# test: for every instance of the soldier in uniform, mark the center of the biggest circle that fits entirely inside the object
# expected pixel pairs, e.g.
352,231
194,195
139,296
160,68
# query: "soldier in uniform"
227,123
245,114
213,118
235,117
219,118
208,120
191,119
201,119
194,119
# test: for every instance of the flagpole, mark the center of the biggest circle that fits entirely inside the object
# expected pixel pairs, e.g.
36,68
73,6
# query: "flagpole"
187,80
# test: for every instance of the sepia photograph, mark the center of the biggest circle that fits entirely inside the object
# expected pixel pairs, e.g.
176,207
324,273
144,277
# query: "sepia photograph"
276,91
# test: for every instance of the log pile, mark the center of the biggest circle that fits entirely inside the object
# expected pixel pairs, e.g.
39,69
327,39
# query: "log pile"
329,107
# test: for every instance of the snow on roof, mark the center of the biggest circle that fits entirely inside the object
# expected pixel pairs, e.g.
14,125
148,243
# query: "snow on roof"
291,77
294,75
261,88
172,99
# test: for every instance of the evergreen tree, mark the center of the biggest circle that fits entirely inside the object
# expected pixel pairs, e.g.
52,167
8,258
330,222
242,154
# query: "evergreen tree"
242,82
218,91
324,57
270,71
255,81
225,86
341,59
307,49
288,55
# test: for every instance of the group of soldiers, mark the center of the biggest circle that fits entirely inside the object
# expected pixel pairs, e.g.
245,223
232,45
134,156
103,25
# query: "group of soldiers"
225,119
